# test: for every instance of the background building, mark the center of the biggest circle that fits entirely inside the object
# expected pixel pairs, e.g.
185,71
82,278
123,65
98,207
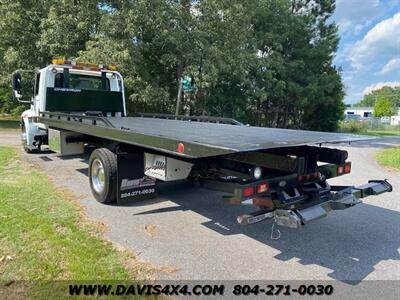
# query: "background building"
367,114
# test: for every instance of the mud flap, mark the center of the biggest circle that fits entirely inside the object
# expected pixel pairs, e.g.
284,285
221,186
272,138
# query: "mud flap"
133,185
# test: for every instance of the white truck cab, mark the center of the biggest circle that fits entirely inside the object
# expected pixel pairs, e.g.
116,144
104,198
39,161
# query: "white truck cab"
71,87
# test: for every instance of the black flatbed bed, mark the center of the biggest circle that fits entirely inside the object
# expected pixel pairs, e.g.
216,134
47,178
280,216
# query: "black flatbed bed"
201,139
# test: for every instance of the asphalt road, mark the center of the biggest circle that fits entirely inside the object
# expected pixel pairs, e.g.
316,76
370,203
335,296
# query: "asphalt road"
192,231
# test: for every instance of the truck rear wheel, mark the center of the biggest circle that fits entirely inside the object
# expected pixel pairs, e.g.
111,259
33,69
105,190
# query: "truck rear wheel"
103,175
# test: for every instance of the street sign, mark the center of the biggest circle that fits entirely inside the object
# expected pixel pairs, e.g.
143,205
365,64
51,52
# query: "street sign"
187,84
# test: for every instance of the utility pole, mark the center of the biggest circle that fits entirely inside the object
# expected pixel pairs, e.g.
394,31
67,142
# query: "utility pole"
178,97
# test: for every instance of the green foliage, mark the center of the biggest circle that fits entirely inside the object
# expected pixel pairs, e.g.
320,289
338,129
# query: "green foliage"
265,62
384,107
18,35
390,158
392,94
67,28
368,128
352,127
9,123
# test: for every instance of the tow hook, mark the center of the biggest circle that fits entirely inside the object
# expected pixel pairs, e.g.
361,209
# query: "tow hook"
255,217
282,217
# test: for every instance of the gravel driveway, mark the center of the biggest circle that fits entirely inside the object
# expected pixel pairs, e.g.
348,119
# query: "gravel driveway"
193,231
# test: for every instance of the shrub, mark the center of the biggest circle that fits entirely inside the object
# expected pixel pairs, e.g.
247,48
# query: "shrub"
352,127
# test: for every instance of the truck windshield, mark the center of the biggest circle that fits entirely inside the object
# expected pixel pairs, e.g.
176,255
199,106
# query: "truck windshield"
82,82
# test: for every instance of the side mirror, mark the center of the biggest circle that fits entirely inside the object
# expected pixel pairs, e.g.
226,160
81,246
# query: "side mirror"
16,82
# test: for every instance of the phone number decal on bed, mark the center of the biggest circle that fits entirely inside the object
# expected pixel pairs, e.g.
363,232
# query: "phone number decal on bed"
138,193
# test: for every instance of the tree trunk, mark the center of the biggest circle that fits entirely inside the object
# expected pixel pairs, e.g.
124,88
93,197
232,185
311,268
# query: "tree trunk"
275,117
286,117
179,74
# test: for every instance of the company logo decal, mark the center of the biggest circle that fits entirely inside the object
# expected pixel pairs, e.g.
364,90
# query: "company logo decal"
67,90
136,183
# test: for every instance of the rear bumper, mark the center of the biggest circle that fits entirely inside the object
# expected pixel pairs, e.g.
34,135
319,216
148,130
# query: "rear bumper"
341,198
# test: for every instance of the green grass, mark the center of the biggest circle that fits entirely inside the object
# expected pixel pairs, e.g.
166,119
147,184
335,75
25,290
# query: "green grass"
45,236
383,132
390,158
369,129
9,123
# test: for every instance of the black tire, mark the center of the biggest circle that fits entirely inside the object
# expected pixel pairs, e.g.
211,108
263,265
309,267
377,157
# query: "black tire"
108,161
27,149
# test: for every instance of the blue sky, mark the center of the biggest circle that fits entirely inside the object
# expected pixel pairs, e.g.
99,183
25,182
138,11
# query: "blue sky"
369,49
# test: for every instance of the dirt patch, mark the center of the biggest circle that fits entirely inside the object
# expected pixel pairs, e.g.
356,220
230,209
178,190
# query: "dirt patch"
151,230
168,269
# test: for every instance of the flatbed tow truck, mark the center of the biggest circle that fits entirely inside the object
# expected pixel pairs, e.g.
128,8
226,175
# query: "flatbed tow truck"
282,172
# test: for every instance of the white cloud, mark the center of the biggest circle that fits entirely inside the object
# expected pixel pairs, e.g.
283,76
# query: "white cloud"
382,41
352,16
348,75
379,85
392,65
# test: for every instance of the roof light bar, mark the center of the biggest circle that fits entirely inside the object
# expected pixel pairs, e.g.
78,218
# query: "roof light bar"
83,65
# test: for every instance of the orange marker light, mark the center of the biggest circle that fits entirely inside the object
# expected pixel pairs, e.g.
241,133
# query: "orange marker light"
58,61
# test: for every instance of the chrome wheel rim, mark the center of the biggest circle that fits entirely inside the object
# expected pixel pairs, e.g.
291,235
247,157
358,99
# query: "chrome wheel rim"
98,180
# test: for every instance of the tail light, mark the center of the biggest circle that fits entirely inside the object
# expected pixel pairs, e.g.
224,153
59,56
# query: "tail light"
301,178
347,168
340,170
314,175
248,191
262,188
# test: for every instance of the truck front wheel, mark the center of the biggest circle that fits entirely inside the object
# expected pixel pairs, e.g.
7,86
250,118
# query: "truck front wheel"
24,139
103,175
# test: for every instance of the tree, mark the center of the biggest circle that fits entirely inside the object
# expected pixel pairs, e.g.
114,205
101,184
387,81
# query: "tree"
390,93
264,62
67,27
203,40
19,32
384,107
295,83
